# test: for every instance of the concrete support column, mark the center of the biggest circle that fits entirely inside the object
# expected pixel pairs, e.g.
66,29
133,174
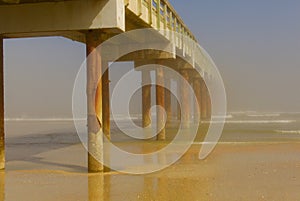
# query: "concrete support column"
203,108
105,99
197,91
185,99
2,138
208,102
179,97
146,98
94,102
168,102
160,101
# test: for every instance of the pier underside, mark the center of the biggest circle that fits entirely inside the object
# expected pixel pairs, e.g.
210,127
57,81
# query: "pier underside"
94,21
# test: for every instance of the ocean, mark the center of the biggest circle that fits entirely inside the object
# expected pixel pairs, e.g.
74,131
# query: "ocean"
261,127
239,127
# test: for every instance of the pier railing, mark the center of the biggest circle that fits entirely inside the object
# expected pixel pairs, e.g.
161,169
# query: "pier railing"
160,15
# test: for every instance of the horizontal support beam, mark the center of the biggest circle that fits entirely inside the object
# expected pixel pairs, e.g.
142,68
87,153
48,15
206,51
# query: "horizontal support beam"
62,16
145,55
174,63
136,51
72,35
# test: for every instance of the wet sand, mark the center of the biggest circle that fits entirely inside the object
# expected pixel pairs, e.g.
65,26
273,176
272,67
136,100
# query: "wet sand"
234,171
46,161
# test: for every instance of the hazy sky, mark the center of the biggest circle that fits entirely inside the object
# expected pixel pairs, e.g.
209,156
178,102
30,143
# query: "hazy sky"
255,45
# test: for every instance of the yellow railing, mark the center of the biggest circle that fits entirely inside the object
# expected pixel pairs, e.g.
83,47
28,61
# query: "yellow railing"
160,15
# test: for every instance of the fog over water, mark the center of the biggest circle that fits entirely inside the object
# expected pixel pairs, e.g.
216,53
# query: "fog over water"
255,45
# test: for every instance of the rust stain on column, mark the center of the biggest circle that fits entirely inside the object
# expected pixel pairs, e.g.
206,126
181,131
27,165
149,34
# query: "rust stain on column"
146,98
168,104
185,97
208,102
2,138
94,102
160,101
106,110
178,102
197,91
106,101
203,108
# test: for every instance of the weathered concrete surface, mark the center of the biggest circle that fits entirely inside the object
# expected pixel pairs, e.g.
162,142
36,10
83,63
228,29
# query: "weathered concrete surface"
18,19
160,101
2,139
185,98
146,98
94,102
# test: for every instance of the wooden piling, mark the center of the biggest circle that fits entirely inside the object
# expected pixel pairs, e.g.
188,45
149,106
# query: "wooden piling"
94,102
160,101
2,138
146,98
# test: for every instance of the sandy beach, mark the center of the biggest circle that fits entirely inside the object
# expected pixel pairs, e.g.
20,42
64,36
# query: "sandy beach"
47,160
256,171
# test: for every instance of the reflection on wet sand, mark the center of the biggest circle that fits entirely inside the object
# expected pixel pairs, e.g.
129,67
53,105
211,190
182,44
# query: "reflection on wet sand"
2,186
55,169
233,172
185,180
96,190
34,184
